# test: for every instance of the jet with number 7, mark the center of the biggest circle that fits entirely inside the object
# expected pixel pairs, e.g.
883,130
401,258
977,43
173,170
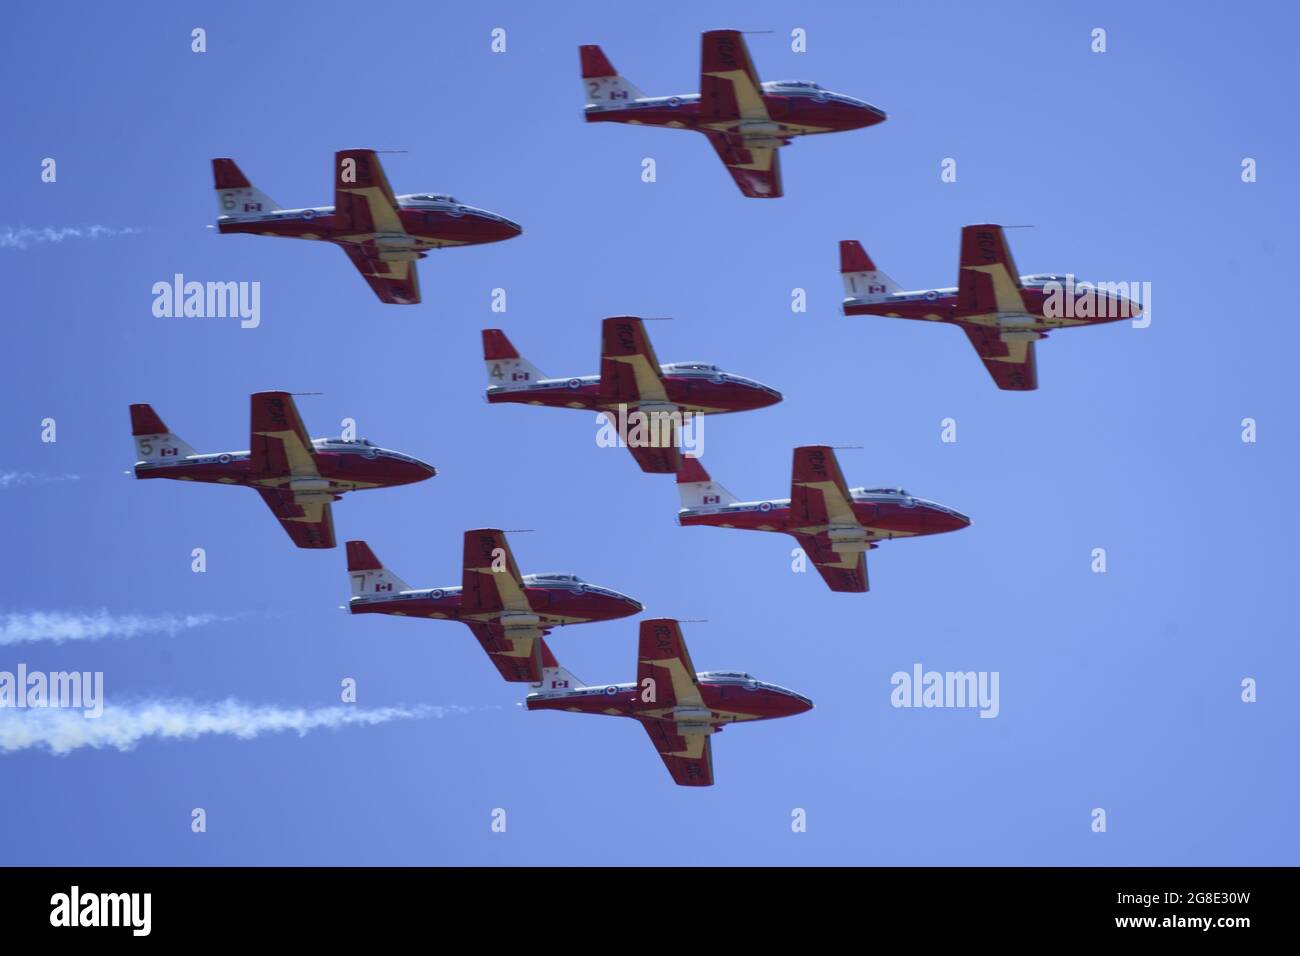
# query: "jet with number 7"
834,524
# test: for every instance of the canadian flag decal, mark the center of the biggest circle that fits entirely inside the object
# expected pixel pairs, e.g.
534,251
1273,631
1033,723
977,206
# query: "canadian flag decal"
519,377
384,587
168,451
712,499
252,207
875,288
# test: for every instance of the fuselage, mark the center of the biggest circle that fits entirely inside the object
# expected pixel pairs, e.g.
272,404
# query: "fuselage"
341,466
882,514
693,387
794,108
1048,302
728,698
555,600
428,222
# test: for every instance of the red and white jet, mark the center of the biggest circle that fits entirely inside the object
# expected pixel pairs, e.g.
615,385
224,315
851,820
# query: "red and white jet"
746,121
382,234
509,613
1001,311
298,477
835,525
679,708
630,378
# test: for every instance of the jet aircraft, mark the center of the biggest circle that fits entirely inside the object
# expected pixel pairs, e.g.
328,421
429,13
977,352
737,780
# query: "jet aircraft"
834,524
508,612
1002,313
297,476
745,121
679,708
630,379
382,234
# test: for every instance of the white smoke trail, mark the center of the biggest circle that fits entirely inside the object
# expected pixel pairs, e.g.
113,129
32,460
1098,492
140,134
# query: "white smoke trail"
24,237
58,626
10,479
63,730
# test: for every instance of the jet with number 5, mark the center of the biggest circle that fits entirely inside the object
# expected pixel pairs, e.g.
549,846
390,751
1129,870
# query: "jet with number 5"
508,612
745,121
382,234
1002,312
679,708
835,525
630,379
298,477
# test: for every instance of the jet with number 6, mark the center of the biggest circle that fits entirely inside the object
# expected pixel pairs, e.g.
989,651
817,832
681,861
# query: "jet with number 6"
630,380
835,525
298,477
382,234
679,708
508,612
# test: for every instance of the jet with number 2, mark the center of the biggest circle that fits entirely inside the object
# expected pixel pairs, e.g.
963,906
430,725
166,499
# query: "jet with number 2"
508,612
679,708
835,525
382,234
630,379
298,477
745,121
1002,312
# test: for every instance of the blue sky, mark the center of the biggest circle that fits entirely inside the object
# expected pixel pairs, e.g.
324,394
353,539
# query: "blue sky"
1118,690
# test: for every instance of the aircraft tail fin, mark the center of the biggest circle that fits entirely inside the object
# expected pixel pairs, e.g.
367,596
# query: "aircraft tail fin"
555,679
601,81
368,574
237,198
696,488
505,366
154,443
862,280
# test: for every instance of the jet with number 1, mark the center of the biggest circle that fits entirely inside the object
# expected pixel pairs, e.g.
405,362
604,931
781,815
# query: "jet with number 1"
382,234
745,121
835,525
630,379
297,476
679,708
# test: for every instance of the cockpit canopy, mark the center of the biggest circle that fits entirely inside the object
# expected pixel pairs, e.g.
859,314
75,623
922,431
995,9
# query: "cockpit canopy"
732,675
430,197
692,367
1044,277
346,441
573,578
883,491
792,85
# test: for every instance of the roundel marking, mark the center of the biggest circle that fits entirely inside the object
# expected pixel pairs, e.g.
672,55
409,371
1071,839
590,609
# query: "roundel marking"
931,296
435,594
574,383
223,458
309,214
611,690
765,506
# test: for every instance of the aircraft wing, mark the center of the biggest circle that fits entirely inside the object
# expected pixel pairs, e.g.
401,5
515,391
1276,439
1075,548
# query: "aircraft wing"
516,652
278,444
490,576
756,170
688,757
841,572
363,201
729,86
629,370
394,282
1013,365
662,657
306,517
818,495
987,280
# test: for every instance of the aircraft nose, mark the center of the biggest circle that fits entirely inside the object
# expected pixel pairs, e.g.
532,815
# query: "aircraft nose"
950,520
798,705
769,396
502,228
417,470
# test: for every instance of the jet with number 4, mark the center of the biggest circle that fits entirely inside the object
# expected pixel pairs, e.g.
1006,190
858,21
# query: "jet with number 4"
835,525
630,379
679,708
1002,312
382,234
298,477
508,612
745,121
